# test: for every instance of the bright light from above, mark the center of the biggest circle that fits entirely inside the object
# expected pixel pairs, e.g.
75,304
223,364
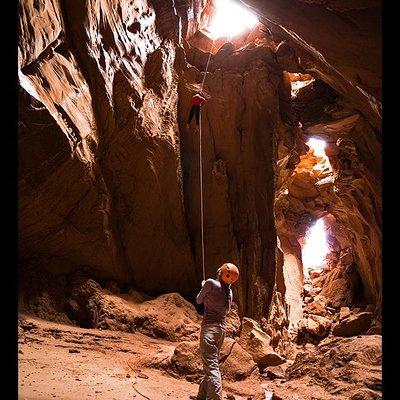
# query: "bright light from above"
316,247
298,84
230,19
318,146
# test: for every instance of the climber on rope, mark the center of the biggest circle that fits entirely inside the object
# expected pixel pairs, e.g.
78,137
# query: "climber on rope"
216,294
197,102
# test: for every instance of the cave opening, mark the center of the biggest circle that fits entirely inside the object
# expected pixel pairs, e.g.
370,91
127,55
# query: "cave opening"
299,81
315,247
229,19
318,146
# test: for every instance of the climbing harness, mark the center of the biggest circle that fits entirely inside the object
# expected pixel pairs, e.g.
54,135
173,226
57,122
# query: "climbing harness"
201,171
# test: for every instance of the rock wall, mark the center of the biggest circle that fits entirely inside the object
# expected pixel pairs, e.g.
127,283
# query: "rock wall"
339,42
238,144
108,178
343,188
106,187
108,173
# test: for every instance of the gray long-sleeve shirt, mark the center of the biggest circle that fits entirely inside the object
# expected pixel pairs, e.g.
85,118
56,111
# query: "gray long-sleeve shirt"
213,295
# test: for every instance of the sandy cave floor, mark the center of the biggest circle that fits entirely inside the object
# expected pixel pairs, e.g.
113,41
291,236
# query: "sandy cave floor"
108,365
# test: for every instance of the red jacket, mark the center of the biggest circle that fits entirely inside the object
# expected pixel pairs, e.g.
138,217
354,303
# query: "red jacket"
198,100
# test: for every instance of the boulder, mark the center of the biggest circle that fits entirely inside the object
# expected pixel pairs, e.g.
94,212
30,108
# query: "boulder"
341,284
186,358
276,372
168,316
235,362
318,282
257,343
316,325
365,394
346,363
303,186
344,312
82,303
314,291
317,306
353,325
308,299
232,322
315,274
375,329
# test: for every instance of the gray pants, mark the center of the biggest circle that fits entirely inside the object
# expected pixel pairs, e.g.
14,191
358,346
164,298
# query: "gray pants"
211,338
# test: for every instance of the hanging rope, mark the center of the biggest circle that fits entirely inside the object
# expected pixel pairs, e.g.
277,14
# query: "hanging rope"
208,63
201,201
201,171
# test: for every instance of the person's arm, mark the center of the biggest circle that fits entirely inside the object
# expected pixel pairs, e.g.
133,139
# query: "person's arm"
204,290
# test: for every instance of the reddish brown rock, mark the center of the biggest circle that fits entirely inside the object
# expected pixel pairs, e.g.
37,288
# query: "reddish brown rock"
235,362
344,312
277,372
315,325
346,258
314,275
318,282
107,169
186,359
353,325
116,172
344,65
317,306
303,186
257,343
168,316
341,285
358,357
232,322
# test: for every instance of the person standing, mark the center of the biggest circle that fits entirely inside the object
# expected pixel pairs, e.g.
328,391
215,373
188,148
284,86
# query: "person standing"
216,294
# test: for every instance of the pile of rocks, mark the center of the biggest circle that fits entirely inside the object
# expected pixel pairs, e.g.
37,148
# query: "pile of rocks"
248,354
327,297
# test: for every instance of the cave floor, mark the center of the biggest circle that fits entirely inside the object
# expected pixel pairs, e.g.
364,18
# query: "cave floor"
67,362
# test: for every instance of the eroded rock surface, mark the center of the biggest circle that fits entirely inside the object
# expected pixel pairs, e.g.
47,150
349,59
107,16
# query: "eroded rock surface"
109,180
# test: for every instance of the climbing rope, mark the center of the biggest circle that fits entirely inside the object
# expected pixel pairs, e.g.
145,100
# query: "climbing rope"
201,171
201,201
208,63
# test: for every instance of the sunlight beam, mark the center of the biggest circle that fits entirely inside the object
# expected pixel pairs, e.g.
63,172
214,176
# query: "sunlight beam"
316,247
230,19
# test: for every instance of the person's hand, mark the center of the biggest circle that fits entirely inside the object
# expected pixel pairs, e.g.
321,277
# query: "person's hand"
202,283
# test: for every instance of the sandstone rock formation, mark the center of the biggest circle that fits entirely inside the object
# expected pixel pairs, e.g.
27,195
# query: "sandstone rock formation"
353,325
235,363
344,367
116,141
112,188
340,42
109,194
257,343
